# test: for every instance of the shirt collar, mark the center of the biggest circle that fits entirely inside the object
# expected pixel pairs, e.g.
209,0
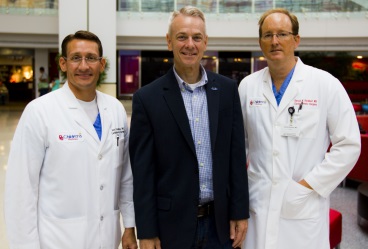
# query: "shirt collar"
183,85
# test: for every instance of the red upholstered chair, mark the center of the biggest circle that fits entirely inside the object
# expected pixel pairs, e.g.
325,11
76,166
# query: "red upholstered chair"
335,228
357,107
363,120
360,171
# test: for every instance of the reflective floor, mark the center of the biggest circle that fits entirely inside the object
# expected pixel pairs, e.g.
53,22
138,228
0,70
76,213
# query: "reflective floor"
9,117
342,199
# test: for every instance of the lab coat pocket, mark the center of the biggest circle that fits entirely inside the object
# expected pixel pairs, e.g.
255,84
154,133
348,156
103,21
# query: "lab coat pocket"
257,188
62,233
307,121
119,151
299,202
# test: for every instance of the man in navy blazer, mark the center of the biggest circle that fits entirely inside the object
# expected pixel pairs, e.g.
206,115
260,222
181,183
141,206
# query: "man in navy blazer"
187,150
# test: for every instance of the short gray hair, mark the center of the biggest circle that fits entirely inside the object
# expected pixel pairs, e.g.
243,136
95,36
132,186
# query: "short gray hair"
187,11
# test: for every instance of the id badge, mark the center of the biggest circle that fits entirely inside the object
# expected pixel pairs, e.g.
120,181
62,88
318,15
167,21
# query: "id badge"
290,131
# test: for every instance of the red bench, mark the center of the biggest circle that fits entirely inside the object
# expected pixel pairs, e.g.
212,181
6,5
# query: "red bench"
335,228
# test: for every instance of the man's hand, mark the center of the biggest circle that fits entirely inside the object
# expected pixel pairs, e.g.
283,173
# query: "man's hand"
128,240
305,184
154,243
238,230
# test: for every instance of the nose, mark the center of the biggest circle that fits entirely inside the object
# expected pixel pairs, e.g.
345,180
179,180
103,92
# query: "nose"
274,39
190,42
83,63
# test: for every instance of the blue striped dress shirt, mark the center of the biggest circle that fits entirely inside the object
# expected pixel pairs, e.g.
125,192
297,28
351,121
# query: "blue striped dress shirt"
195,101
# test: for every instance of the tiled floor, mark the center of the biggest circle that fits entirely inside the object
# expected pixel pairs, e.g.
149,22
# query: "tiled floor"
342,199
345,200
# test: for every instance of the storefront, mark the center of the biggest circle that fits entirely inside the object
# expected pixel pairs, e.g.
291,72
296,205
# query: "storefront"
18,72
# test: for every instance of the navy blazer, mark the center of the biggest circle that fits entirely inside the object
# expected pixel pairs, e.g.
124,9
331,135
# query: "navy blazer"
165,167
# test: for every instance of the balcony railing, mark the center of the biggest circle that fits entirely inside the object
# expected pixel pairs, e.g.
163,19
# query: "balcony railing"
29,7
244,6
50,7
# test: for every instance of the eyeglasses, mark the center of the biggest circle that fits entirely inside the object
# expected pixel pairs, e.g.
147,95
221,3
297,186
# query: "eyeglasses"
78,59
282,36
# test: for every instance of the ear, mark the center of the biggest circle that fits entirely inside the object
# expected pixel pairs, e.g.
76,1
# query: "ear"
169,42
62,63
103,64
297,41
205,42
260,43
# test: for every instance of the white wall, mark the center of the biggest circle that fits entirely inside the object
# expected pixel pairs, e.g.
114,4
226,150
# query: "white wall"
28,24
72,17
319,31
102,22
232,32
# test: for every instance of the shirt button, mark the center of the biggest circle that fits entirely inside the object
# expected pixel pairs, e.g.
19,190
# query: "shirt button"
101,187
99,157
199,142
101,218
201,164
197,119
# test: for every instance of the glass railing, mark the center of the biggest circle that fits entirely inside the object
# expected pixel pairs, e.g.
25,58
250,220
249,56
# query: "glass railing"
29,7
244,6
50,7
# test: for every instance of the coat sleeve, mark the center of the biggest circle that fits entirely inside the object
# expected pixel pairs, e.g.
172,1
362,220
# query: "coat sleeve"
141,148
344,134
243,104
238,172
126,182
22,180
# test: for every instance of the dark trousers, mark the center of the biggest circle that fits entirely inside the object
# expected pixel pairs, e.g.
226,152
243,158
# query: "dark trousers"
206,235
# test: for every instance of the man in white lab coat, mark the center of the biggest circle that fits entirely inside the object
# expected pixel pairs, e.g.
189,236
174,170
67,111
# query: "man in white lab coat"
69,176
292,112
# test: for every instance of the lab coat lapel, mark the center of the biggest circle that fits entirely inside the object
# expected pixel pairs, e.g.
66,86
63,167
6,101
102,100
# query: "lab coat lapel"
106,121
78,114
213,101
174,100
267,90
294,88
291,92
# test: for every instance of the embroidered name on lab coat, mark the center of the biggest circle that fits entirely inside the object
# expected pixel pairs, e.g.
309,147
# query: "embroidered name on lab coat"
306,102
257,102
118,131
72,136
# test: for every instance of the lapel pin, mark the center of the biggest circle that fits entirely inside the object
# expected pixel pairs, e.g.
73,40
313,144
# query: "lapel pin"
214,88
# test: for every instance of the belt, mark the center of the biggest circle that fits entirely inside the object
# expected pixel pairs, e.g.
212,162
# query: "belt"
205,209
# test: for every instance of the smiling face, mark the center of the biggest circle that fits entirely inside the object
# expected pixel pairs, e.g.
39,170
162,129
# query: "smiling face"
82,76
188,41
276,50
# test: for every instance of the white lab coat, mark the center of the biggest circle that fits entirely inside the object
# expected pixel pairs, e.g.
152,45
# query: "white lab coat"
283,213
64,187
